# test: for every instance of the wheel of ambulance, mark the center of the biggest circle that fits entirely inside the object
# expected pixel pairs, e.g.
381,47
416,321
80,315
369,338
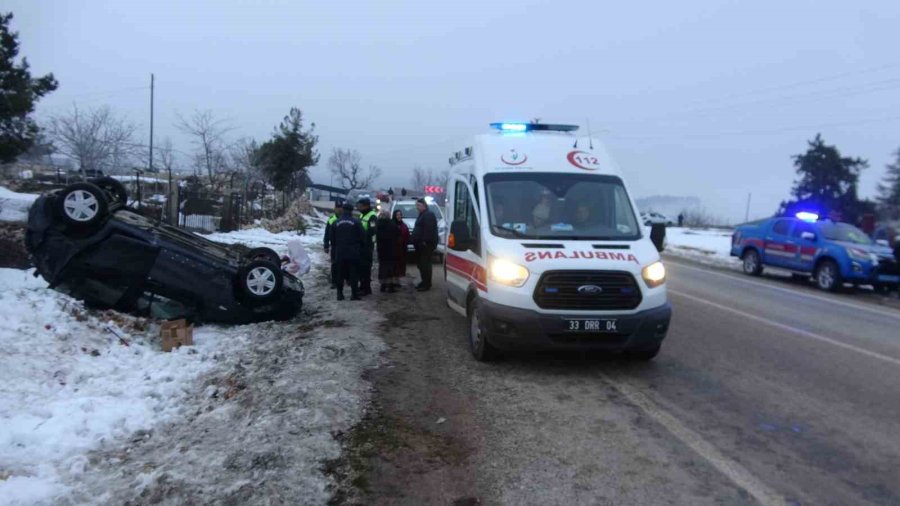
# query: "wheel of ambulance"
478,345
81,205
263,254
260,281
828,276
644,355
752,265
113,187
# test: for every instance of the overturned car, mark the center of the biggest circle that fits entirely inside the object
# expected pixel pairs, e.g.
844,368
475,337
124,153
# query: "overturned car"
86,242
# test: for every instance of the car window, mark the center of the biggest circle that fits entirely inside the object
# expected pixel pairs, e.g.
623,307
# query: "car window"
801,226
782,227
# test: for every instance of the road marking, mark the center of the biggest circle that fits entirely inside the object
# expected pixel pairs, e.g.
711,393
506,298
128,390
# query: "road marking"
790,328
788,290
734,471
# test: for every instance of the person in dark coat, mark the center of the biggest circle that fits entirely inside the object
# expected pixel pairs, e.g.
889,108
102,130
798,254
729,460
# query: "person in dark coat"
368,217
402,243
386,245
425,240
348,244
338,211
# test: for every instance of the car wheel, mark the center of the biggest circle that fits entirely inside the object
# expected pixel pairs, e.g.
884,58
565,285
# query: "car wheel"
81,205
260,281
113,187
752,265
479,346
828,276
643,355
263,254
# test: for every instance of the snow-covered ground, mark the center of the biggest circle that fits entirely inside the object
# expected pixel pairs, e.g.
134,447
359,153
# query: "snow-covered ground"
706,245
14,206
87,419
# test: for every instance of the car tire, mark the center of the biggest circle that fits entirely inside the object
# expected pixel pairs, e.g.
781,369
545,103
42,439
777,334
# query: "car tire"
263,254
481,349
260,281
644,355
751,263
828,276
81,205
113,187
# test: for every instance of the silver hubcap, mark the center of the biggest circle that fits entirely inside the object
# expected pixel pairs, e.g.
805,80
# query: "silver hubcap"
750,263
261,281
475,331
826,276
80,205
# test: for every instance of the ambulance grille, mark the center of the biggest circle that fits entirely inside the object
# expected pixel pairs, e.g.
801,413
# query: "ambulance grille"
560,290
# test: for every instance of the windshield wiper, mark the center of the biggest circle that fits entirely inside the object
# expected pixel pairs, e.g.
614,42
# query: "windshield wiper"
512,231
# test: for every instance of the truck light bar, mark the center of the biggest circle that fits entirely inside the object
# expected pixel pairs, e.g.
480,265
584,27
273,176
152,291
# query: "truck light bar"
532,127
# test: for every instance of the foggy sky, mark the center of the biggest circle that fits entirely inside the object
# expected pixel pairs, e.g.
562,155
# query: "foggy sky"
706,99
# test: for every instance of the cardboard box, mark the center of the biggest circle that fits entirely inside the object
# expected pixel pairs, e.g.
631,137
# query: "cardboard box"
176,333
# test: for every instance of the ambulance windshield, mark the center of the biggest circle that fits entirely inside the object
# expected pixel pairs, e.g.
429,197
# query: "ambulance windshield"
560,206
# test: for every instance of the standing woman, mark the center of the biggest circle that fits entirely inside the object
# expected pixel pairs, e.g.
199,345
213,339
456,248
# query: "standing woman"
386,233
402,244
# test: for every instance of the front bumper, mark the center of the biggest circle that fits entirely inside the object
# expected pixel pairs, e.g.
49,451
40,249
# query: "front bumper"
512,328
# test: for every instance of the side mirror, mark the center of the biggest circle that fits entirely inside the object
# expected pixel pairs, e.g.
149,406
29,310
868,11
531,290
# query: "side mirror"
658,236
808,236
459,238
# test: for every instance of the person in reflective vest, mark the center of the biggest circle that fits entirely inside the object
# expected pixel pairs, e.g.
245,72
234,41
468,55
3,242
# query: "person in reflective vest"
369,219
329,240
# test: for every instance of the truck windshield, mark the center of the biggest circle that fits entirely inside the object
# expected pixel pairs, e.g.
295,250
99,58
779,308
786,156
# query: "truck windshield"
559,206
844,232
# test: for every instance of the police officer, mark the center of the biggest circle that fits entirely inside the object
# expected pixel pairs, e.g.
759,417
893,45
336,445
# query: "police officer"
329,240
369,218
348,245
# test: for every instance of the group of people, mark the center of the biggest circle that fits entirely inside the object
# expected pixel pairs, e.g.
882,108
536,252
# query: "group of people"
353,242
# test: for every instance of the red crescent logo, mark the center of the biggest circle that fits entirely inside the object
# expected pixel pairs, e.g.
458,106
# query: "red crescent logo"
583,160
507,162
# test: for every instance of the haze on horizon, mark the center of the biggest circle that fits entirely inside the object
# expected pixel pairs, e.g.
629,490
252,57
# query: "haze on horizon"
705,99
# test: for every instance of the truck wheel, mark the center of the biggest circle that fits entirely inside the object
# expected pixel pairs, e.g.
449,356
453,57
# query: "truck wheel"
644,355
113,187
263,254
260,281
752,265
828,276
81,205
481,349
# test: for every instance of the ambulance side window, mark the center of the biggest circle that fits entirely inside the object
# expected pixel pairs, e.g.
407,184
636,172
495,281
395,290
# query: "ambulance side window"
463,210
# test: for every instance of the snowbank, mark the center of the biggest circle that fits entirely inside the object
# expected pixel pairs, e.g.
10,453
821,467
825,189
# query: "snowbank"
706,245
14,206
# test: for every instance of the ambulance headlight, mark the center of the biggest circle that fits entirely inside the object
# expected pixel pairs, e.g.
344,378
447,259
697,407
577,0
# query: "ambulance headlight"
654,274
507,273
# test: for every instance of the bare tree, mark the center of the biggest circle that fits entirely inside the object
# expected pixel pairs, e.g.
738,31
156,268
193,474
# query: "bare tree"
95,139
346,164
166,154
244,153
209,138
427,177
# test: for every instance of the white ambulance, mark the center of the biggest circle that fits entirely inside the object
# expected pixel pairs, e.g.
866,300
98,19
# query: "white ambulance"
545,249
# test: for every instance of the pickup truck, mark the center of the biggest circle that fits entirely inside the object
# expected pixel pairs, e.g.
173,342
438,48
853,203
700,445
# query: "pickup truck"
832,253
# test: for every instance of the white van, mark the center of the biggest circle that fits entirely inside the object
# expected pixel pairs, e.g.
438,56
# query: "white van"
545,249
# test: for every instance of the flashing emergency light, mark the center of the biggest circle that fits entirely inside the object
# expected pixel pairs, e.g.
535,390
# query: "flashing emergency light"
532,127
807,216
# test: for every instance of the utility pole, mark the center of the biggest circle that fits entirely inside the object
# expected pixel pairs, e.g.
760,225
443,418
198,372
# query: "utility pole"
747,214
151,124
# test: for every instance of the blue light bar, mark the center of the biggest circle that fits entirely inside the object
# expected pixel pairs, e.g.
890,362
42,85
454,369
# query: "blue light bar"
807,216
532,127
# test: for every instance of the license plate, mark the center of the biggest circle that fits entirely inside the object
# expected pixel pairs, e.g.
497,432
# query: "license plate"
885,278
599,326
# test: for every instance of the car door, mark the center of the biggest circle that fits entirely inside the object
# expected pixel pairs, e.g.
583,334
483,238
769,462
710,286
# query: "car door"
806,239
465,268
780,247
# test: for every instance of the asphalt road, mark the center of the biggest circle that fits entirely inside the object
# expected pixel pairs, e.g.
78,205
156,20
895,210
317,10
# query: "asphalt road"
763,394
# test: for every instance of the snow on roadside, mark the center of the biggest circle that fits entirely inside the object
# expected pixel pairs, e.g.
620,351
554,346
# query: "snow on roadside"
75,401
705,245
14,206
